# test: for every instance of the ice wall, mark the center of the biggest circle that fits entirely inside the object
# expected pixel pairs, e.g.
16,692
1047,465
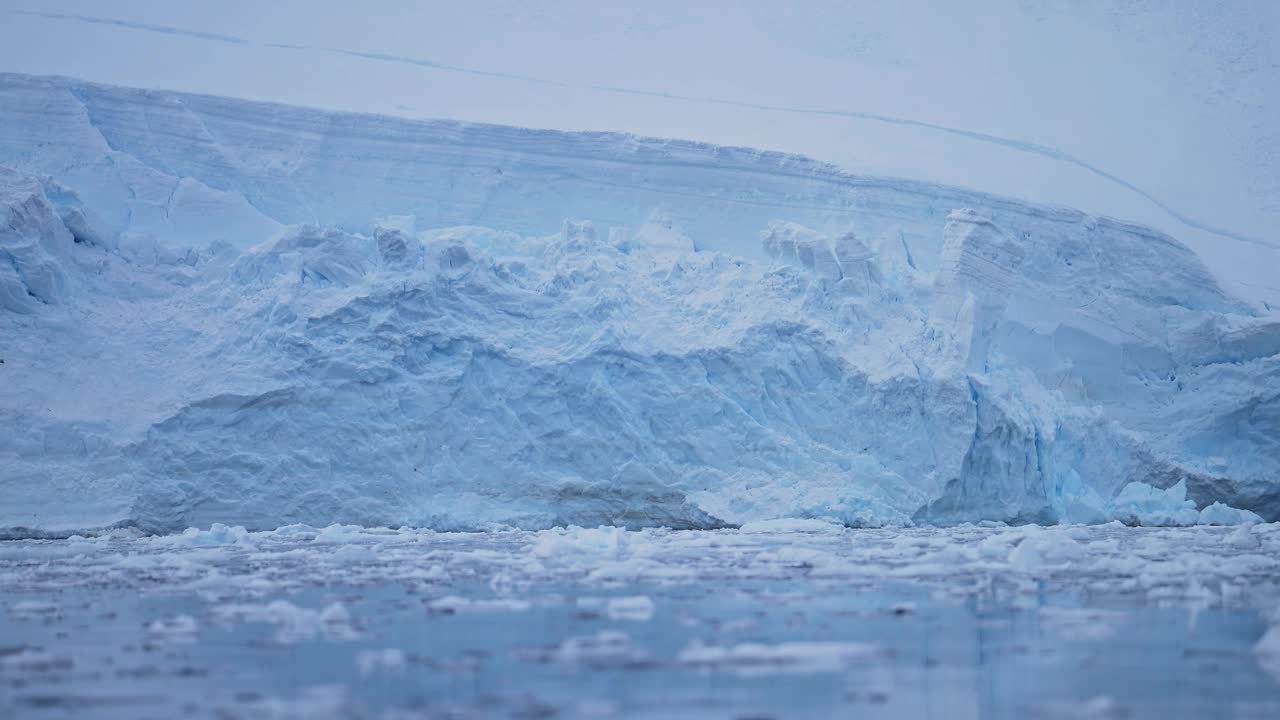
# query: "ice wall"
229,311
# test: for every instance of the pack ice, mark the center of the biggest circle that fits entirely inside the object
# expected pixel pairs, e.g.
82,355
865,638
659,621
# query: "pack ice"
214,310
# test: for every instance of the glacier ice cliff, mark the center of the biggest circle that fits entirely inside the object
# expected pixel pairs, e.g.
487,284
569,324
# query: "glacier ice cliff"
213,310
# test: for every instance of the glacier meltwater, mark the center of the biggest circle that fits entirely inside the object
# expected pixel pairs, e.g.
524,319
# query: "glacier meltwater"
214,310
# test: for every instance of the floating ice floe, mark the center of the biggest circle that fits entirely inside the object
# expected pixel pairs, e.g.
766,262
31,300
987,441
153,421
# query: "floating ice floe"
788,657
293,623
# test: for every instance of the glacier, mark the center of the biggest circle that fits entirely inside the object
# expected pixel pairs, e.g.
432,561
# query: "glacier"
222,311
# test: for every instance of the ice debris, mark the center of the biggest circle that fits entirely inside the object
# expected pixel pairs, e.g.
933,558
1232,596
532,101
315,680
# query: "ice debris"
787,657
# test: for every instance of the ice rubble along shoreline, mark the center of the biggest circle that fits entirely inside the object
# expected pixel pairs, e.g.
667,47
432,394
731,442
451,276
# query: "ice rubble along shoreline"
223,311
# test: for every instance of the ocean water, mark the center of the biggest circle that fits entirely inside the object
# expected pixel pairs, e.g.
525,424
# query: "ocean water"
787,622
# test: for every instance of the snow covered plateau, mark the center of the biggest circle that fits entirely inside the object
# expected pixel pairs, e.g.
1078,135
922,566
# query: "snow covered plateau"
216,310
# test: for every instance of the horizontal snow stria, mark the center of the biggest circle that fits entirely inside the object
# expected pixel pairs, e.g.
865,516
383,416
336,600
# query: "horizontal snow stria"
220,311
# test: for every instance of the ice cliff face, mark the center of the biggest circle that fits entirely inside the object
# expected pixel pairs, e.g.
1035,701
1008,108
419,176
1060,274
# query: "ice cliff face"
213,310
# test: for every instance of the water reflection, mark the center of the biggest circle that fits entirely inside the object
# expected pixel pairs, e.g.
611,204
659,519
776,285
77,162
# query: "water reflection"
476,627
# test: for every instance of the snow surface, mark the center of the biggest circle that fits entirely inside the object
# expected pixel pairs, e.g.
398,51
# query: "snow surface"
223,311
1163,113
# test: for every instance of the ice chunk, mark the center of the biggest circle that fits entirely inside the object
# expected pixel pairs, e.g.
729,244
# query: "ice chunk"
217,534
604,645
565,543
1042,550
1222,514
338,534
175,629
34,660
636,607
1141,504
369,662
456,604
33,609
293,623
1242,537
787,657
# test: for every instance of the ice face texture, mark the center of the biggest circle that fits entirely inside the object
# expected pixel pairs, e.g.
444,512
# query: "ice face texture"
220,311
